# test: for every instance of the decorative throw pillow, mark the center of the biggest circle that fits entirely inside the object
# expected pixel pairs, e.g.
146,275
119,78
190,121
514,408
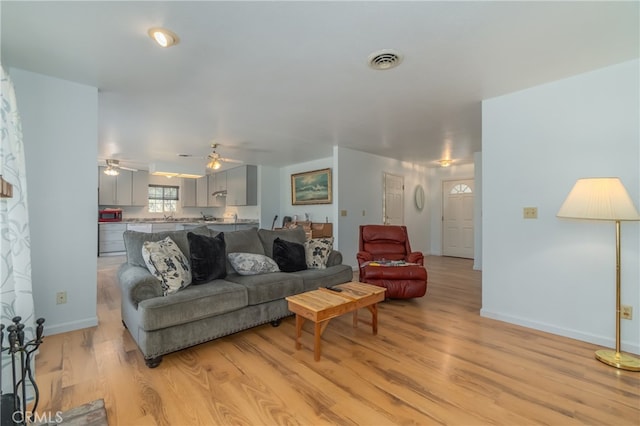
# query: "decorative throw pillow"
252,264
317,252
207,257
289,256
167,263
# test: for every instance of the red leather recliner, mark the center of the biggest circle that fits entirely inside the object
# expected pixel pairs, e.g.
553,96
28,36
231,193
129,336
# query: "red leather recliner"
378,242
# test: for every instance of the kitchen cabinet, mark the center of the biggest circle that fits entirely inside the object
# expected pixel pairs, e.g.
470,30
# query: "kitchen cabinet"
139,227
115,190
195,192
140,191
188,193
217,182
202,191
163,227
126,189
242,186
110,239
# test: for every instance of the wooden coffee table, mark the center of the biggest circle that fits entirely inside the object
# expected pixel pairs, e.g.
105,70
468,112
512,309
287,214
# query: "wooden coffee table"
321,305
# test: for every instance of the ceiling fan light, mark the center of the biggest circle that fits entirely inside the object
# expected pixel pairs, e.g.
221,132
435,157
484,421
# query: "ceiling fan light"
214,164
163,37
111,171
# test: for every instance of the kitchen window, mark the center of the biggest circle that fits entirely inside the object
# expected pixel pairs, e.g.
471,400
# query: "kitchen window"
163,198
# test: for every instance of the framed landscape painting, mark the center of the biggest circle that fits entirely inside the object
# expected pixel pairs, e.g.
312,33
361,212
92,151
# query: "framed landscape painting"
311,187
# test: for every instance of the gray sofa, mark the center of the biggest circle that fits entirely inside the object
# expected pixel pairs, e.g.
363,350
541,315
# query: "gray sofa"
200,313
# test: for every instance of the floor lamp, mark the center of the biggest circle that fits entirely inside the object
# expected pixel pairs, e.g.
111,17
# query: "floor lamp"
605,199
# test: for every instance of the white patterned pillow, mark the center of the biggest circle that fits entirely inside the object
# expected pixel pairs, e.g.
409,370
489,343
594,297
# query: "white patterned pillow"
317,252
165,261
252,264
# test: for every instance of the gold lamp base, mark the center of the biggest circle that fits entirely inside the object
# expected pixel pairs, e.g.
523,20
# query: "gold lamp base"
618,359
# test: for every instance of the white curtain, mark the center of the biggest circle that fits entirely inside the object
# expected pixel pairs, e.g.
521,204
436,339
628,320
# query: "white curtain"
16,297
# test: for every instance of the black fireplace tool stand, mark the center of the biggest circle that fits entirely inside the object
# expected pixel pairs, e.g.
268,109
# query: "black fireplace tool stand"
14,405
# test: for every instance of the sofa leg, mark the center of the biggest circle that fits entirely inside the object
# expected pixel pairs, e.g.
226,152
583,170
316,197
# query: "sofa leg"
124,325
153,362
275,323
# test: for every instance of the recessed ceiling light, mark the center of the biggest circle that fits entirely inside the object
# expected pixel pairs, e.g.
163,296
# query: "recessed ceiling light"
445,163
163,36
385,59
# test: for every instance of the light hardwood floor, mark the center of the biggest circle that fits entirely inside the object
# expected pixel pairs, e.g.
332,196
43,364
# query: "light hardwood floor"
434,361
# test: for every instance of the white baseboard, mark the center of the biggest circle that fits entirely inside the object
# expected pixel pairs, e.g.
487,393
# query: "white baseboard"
605,341
51,329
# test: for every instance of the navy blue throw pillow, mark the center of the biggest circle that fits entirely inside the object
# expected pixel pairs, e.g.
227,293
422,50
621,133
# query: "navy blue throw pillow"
208,260
289,256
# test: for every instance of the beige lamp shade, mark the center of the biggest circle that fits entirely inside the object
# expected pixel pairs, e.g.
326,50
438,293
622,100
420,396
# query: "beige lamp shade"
599,199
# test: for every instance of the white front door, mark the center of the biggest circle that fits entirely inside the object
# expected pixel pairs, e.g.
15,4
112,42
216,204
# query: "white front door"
457,218
393,207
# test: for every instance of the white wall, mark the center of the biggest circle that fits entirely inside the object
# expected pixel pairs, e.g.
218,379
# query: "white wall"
551,274
477,212
60,129
361,189
269,196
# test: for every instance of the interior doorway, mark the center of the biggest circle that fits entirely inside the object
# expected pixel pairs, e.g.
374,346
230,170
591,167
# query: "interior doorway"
393,200
457,218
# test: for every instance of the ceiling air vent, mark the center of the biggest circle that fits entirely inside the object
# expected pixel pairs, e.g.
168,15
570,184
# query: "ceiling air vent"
385,59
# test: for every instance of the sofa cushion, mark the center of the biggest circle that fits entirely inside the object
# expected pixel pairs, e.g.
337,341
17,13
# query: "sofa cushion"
252,264
167,263
207,257
314,278
133,242
191,304
317,252
289,256
243,241
267,237
267,287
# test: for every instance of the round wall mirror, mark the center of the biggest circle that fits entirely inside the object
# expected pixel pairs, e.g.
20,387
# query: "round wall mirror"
419,197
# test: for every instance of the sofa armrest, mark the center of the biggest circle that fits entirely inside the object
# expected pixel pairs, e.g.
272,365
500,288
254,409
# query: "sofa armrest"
415,257
335,258
138,284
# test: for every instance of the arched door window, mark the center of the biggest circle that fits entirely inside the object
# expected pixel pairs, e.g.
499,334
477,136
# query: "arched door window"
461,188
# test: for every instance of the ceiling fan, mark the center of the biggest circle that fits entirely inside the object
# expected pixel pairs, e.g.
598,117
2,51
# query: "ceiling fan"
113,168
215,160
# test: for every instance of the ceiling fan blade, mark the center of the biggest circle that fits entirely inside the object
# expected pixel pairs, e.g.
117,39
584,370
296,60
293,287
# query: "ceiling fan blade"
230,160
128,168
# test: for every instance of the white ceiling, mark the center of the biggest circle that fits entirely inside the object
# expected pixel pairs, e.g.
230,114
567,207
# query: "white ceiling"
278,83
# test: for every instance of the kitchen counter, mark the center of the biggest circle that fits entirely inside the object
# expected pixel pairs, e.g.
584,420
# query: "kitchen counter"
190,221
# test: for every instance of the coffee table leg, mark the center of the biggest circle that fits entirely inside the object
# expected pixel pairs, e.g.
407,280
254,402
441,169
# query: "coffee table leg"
299,322
374,317
355,318
316,345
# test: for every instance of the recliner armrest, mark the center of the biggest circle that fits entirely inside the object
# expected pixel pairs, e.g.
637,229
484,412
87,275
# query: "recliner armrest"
138,284
416,257
364,256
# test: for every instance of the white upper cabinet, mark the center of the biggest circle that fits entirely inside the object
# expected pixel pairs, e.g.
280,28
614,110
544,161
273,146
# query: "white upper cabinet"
140,193
242,186
195,192
126,189
114,190
202,191
188,193
217,182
